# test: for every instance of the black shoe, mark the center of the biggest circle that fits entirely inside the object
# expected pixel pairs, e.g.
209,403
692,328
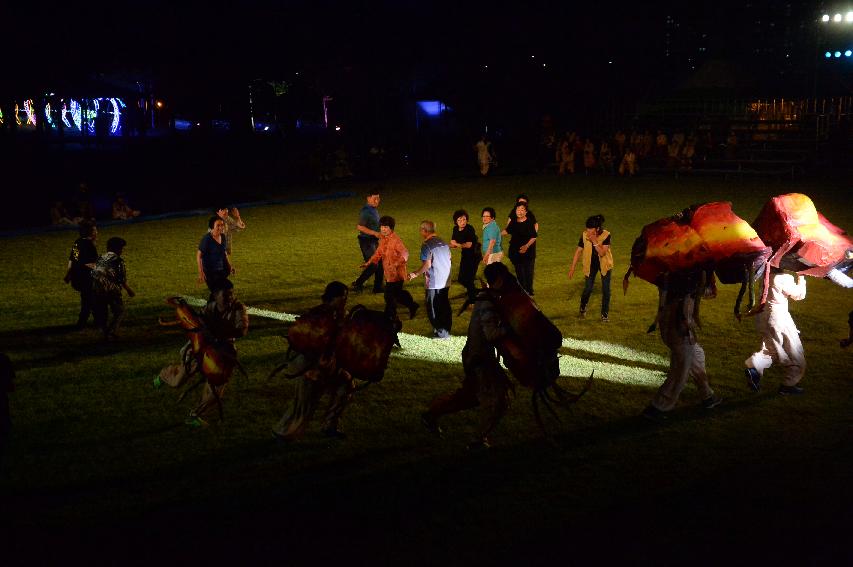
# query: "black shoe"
334,434
478,445
753,379
283,441
654,414
356,287
413,310
431,423
791,390
582,314
712,402
378,290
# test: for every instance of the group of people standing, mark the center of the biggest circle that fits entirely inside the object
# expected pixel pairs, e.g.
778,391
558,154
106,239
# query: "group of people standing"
384,253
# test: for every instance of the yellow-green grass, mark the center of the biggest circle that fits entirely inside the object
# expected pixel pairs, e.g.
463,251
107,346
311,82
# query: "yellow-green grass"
95,445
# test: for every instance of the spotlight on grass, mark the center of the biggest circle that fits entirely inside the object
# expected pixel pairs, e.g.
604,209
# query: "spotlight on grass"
449,351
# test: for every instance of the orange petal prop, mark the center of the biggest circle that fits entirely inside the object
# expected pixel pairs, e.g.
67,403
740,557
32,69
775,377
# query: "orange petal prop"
702,237
803,240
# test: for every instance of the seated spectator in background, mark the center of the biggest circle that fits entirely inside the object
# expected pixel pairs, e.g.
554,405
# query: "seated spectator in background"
588,156
673,155
59,215
566,156
84,204
629,164
342,168
731,145
121,210
661,147
605,158
688,153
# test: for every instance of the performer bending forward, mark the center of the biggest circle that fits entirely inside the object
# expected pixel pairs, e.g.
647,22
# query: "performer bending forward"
225,319
780,339
485,383
316,375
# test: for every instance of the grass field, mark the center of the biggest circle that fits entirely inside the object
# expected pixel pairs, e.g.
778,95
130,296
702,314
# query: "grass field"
102,468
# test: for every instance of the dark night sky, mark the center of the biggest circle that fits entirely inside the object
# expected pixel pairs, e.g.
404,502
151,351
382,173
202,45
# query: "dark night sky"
260,36
197,46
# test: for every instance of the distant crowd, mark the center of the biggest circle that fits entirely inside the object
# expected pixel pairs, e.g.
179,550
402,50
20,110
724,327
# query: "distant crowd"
627,153
83,211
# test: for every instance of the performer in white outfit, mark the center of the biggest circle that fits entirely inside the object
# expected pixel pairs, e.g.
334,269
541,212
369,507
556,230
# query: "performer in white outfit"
780,339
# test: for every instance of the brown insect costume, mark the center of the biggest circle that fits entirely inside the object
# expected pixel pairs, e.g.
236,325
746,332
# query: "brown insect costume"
210,350
328,351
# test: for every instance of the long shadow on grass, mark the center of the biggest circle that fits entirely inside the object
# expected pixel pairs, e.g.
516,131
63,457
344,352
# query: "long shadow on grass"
612,359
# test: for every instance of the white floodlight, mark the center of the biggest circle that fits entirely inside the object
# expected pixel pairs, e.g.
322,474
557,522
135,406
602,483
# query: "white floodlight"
849,17
825,18
836,18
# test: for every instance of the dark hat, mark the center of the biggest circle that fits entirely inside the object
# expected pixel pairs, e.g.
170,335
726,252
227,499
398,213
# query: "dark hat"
116,244
333,290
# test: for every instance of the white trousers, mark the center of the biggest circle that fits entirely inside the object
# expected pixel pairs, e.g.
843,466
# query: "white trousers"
780,343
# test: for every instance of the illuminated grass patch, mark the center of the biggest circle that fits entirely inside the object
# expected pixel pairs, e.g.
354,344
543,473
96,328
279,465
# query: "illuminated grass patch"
449,351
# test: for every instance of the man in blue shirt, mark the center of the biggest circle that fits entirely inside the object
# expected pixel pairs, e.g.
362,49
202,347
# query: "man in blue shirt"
492,251
368,241
435,255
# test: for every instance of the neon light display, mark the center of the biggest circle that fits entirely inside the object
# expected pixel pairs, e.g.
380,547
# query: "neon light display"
76,115
62,115
31,111
80,115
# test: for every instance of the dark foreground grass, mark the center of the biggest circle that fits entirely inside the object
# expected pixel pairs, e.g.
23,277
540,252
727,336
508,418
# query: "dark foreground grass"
101,467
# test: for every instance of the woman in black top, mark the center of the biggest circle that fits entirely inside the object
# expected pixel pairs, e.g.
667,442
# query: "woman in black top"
82,259
522,246
465,238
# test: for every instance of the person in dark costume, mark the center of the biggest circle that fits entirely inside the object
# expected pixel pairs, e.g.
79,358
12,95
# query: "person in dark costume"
313,337
81,261
485,383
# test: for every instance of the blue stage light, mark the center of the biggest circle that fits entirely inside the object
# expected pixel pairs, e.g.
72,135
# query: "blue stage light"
838,54
848,53
827,54
430,107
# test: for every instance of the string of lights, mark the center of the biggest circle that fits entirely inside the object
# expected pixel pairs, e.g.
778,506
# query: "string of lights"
838,18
